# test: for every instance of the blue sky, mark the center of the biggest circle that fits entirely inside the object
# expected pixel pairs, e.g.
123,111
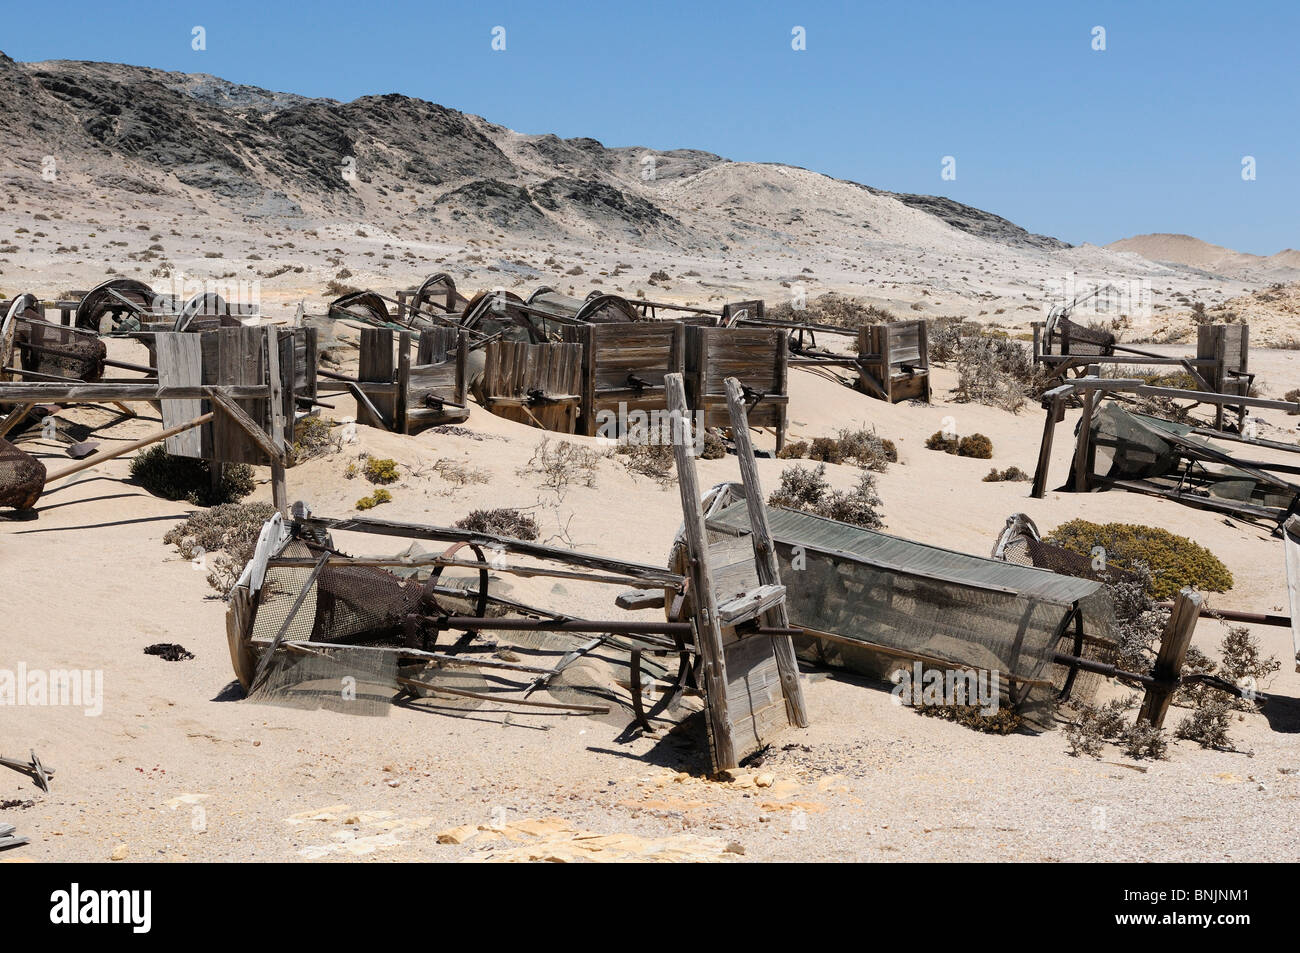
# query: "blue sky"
1148,135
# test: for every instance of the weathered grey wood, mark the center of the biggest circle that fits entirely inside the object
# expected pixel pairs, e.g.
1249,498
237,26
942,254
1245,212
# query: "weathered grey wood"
1169,660
765,558
708,635
180,361
1039,489
279,492
1082,443
236,413
57,393
750,604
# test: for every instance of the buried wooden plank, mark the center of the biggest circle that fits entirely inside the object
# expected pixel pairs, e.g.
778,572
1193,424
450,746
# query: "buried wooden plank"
1169,661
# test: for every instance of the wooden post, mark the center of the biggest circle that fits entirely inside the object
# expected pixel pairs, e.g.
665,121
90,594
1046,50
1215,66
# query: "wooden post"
708,636
1169,661
1083,443
400,422
1054,410
765,554
279,492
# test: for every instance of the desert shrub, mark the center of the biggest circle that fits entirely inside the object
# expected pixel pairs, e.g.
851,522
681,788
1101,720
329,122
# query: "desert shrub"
1139,621
1243,664
1173,561
381,470
831,308
865,449
453,471
939,440
228,533
374,499
793,451
715,448
945,336
810,492
1094,725
976,445
1292,395
562,465
654,460
1208,724
504,521
313,437
825,449
995,371
1009,475
1002,722
189,479
1143,740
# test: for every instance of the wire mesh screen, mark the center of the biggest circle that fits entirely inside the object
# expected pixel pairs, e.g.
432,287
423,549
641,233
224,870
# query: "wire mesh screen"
63,352
22,477
1127,450
1069,337
349,680
880,603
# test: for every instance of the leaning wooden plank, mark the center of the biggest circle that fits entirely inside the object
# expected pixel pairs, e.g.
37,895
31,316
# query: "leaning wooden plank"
708,636
98,458
1291,550
236,413
750,605
765,553
1169,661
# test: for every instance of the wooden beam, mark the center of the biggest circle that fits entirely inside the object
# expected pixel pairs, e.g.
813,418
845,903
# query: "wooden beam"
765,558
61,393
279,492
1169,661
704,606
237,414
1054,409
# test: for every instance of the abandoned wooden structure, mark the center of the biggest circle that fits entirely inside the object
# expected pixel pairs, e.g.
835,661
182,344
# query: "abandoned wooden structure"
1162,458
758,359
894,361
624,366
1220,366
539,384
229,395
300,598
402,392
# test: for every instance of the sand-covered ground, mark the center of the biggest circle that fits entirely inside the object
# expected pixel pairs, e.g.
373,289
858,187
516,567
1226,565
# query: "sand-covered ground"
175,768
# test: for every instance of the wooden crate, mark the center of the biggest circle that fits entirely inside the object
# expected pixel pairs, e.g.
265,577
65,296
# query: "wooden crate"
539,384
1228,346
757,357
625,364
894,361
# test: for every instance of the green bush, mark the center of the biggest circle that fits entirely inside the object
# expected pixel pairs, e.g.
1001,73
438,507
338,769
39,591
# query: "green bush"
381,470
374,499
1173,561
189,479
313,437
976,445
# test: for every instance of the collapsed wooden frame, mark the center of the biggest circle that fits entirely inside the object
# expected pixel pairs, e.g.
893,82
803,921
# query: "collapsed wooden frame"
736,645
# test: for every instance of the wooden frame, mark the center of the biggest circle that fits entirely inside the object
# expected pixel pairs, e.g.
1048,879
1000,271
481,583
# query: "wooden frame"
534,383
406,397
894,361
624,366
757,357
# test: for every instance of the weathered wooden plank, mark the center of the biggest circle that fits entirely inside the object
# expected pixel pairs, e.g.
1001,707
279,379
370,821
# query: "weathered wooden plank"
1169,660
180,362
